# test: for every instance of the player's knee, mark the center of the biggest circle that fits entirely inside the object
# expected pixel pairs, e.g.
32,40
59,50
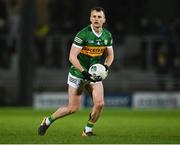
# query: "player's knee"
99,105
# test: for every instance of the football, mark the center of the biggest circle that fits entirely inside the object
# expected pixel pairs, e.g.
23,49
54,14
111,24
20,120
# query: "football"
98,71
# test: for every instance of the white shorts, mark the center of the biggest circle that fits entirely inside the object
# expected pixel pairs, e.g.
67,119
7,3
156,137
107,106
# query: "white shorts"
76,82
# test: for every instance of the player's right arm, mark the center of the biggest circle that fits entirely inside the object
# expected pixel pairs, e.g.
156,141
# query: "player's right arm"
76,47
74,60
74,52
73,57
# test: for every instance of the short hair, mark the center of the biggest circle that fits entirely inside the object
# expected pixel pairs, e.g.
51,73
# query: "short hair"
98,9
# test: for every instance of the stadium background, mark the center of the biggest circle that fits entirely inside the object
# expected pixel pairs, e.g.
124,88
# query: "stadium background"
142,96
35,38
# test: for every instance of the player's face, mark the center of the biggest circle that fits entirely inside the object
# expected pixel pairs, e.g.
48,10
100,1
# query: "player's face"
97,19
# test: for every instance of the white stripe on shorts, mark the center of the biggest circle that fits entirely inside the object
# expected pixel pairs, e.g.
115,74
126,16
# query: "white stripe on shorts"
73,81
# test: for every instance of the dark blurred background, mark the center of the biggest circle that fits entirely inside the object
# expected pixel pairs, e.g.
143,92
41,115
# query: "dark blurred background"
36,35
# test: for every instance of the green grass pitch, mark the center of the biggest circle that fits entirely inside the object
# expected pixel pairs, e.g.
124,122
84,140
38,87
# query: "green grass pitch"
116,126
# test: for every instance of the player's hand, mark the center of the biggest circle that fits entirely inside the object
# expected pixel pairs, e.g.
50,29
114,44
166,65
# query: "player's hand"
87,76
107,67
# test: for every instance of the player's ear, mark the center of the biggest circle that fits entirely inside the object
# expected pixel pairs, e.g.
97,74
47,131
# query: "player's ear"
90,19
104,20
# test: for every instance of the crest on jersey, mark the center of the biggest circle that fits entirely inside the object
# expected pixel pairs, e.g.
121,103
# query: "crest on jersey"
105,42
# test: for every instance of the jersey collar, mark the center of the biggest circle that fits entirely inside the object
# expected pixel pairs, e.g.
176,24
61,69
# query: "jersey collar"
98,35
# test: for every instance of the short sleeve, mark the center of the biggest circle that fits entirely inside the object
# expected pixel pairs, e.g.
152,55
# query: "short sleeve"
79,39
110,41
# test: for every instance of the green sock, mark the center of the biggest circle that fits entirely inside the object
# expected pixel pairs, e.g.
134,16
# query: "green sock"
89,127
51,119
90,124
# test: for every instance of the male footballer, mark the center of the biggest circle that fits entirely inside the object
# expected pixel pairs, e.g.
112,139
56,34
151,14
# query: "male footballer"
87,49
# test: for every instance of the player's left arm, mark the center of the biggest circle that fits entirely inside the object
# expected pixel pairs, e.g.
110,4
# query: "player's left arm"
110,56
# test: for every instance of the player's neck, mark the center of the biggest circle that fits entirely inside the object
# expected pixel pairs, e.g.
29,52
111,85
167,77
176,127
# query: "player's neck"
97,29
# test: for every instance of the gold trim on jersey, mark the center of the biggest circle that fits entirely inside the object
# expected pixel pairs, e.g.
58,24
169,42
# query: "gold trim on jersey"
93,50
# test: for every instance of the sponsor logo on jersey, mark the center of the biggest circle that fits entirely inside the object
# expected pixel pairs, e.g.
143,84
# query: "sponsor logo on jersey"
93,50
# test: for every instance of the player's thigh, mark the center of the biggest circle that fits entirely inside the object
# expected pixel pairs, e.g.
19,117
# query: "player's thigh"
98,93
74,96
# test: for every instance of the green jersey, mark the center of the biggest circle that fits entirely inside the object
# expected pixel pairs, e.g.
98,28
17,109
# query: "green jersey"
92,47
